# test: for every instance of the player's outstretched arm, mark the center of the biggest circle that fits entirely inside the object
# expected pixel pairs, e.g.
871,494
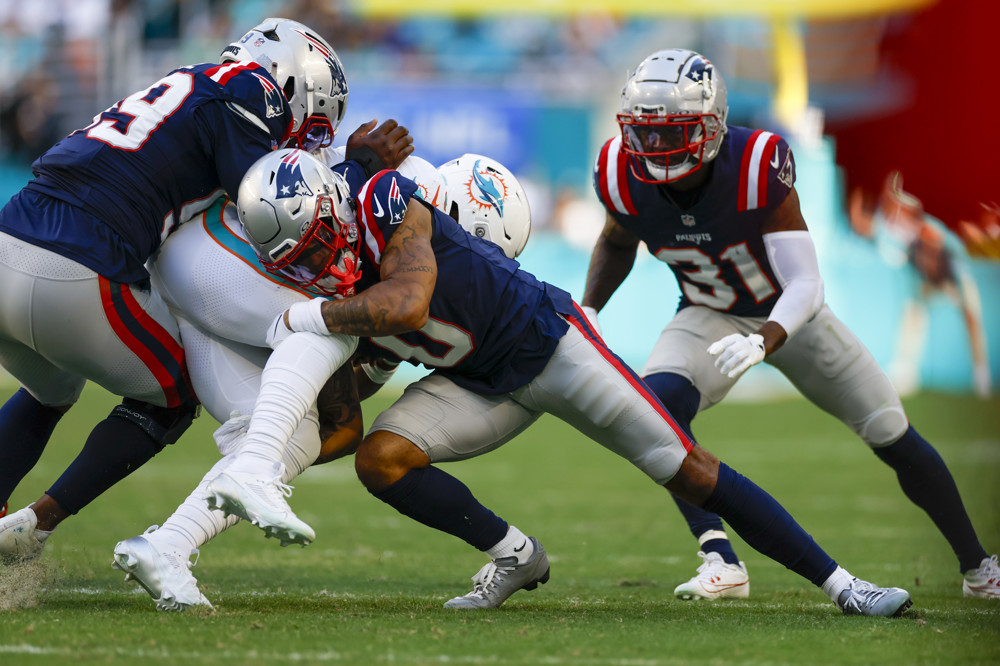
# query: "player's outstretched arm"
792,256
610,263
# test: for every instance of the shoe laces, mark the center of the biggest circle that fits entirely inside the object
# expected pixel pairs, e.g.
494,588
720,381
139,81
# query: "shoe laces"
490,576
865,594
276,482
990,567
711,566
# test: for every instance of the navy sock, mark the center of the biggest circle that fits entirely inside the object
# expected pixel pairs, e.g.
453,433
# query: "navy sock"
681,399
767,526
701,521
25,428
927,483
116,448
441,501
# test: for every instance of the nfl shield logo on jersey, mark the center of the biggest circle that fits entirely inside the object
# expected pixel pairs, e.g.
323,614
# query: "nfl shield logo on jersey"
688,220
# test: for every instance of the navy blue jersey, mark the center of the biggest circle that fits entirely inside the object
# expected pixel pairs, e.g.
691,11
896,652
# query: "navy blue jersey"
714,247
492,326
150,162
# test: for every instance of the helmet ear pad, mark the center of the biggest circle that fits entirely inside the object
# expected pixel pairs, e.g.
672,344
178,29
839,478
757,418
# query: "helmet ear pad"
680,92
488,201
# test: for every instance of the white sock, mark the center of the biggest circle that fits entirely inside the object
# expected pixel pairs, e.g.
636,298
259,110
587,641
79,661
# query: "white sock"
838,581
292,378
514,544
193,524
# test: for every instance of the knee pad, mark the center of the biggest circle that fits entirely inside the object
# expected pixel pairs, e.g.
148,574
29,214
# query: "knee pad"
883,426
164,425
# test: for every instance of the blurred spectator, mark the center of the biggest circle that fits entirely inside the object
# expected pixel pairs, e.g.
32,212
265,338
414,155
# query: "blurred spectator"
936,262
29,120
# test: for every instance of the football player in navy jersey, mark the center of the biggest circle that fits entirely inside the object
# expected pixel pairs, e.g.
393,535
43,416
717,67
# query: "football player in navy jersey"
73,243
504,348
718,205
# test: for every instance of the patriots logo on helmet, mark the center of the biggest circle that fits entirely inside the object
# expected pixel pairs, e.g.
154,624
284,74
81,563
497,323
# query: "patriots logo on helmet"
272,96
396,205
487,188
288,182
336,73
699,69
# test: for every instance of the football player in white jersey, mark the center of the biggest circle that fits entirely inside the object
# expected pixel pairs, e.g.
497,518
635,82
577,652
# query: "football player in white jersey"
717,204
225,303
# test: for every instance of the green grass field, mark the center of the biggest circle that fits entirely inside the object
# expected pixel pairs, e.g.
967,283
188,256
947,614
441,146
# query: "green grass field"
370,589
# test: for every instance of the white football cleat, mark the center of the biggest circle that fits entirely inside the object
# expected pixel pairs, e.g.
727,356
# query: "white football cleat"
716,579
983,582
499,579
20,538
864,598
162,570
259,496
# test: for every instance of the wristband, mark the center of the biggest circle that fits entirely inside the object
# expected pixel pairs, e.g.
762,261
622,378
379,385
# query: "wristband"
307,317
377,372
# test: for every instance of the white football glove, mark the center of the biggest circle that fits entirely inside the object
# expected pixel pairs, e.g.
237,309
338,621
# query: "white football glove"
737,353
230,435
592,316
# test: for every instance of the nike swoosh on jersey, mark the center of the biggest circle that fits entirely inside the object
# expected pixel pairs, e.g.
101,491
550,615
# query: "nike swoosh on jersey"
376,204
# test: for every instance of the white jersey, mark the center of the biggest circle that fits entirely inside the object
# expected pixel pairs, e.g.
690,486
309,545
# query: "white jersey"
224,301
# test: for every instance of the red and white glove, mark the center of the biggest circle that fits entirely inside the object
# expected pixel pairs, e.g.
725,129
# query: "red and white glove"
737,353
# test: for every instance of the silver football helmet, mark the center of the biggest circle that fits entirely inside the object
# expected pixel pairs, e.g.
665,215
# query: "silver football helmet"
673,115
299,218
306,68
487,201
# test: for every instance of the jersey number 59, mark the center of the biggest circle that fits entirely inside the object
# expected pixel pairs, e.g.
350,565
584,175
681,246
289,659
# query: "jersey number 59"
128,124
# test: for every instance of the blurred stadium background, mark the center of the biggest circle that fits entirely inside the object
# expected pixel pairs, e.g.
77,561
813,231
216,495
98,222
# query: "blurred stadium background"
863,89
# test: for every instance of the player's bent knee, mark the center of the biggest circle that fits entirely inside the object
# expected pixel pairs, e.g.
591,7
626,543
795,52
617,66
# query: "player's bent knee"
384,458
164,425
883,426
696,478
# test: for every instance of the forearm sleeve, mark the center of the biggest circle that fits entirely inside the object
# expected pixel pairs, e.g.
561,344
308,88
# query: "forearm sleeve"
793,259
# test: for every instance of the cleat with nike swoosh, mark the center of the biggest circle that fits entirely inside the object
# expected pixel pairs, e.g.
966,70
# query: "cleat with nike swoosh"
983,582
501,578
716,580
